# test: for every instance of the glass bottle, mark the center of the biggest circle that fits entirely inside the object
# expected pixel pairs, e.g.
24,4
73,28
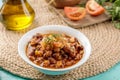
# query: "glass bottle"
16,14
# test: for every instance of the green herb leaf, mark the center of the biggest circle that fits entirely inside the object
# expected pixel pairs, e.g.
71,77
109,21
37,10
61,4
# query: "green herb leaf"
117,25
117,3
101,2
56,35
114,11
81,5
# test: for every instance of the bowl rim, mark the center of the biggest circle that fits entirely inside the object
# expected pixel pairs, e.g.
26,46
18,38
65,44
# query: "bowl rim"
20,48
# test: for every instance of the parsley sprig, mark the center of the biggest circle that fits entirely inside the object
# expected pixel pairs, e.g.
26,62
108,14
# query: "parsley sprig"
114,10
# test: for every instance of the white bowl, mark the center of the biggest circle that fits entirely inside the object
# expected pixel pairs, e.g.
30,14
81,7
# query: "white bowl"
54,28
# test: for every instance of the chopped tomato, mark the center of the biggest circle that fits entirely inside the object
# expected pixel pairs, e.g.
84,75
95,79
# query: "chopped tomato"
94,8
75,13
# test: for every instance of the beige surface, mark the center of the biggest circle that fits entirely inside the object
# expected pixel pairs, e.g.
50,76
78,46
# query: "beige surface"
105,40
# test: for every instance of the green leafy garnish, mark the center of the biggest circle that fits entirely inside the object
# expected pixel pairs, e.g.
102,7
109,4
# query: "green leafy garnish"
56,35
113,10
81,5
49,39
101,2
117,25
52,38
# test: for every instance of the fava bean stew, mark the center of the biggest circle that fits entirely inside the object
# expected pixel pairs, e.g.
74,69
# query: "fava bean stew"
54,50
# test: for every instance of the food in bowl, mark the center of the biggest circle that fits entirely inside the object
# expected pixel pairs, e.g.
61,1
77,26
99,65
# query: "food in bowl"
54,50
83,40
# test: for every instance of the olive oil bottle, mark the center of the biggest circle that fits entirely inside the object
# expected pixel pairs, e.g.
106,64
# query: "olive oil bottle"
16,14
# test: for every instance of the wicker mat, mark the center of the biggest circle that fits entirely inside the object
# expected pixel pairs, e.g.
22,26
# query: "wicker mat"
104,37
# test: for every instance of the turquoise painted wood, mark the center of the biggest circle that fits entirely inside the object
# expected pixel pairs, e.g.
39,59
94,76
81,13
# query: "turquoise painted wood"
111,74
0,3
4,75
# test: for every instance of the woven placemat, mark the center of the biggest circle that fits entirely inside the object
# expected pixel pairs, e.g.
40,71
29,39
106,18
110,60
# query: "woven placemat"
104,38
